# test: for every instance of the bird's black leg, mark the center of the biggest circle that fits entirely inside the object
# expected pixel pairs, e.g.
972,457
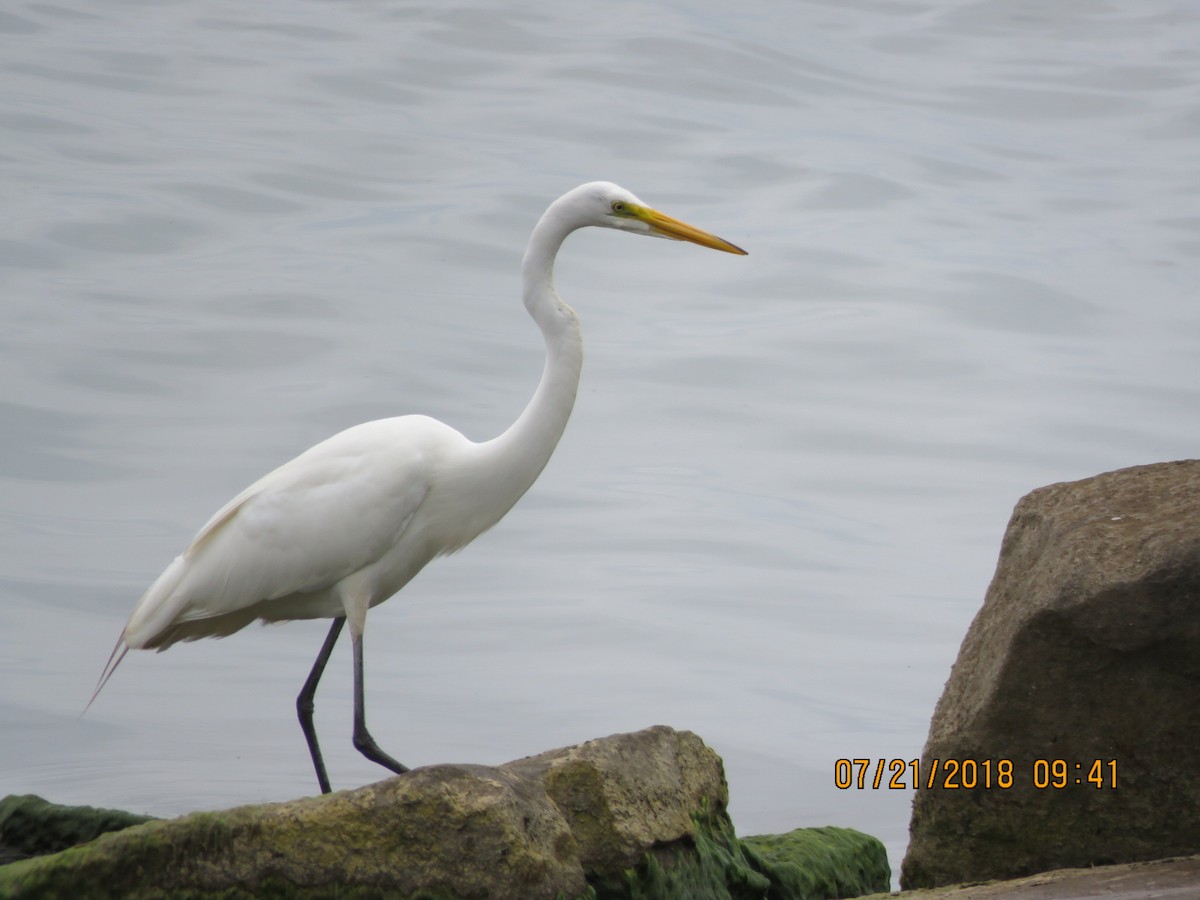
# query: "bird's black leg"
363,742
304,702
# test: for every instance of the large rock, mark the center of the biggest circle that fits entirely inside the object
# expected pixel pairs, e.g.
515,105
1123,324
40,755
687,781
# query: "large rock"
1086,651
634,815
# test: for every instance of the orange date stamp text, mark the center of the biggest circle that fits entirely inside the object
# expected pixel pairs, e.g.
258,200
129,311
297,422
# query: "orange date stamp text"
972,774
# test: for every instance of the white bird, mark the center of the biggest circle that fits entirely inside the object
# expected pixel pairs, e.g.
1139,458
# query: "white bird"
349,522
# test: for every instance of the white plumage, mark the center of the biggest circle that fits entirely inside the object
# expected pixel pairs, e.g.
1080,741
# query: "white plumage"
350,521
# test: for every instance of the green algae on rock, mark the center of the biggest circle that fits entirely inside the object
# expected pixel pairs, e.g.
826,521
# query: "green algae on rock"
821,863
31,826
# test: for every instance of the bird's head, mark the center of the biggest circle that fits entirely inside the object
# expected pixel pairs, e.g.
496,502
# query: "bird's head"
608,205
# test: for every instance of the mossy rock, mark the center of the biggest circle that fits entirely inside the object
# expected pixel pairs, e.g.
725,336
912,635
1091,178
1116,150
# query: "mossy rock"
820,863
630,817
710,865
31,826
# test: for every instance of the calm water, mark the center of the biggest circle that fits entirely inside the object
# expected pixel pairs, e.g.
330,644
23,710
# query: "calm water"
232,229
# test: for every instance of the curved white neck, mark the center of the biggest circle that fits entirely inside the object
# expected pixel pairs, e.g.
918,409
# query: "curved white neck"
523,450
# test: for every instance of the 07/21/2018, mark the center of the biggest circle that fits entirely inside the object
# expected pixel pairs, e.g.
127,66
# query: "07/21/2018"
969,774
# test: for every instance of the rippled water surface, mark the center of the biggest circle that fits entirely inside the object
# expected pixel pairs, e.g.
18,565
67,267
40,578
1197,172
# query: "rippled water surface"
232,229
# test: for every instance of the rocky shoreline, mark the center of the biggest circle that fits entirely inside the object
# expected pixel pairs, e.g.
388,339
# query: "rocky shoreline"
631,815
1072,718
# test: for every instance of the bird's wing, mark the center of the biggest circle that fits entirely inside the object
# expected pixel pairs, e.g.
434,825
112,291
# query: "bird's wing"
335,509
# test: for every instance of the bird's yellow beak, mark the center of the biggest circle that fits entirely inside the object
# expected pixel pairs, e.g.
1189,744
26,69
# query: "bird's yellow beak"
662,224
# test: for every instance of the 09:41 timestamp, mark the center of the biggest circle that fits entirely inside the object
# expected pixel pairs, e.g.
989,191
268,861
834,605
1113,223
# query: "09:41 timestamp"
968,774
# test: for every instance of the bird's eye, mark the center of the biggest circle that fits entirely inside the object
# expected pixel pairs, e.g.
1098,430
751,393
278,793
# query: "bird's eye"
618,206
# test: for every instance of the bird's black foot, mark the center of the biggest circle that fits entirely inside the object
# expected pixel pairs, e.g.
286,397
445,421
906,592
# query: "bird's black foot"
365,744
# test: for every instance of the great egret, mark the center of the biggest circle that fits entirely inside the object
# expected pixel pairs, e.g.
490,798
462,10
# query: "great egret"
349,522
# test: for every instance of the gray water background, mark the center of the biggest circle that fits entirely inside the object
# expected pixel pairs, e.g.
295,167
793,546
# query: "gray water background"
232,229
